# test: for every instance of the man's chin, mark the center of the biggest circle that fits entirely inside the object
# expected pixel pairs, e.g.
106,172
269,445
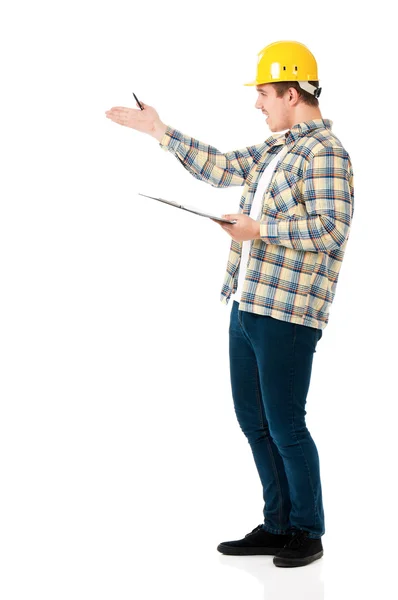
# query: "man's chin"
274,128
270,125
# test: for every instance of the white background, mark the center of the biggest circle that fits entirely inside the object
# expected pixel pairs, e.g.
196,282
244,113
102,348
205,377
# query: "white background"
122,464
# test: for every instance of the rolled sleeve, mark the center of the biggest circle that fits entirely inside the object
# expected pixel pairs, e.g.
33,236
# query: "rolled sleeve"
269,231
207,163
171,139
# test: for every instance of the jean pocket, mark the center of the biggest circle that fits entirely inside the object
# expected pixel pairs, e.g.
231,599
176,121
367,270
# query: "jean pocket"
318,335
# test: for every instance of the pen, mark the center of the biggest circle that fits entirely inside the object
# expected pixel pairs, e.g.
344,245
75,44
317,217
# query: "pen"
138,102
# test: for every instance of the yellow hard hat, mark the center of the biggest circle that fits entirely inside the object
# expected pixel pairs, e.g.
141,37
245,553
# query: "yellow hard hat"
287,61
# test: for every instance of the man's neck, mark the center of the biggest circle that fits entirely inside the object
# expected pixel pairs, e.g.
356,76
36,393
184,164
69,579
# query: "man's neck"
305,115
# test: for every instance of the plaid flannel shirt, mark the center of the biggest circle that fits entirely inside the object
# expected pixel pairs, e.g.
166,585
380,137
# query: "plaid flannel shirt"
293,267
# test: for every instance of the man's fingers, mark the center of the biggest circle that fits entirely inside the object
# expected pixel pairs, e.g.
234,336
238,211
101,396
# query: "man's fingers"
129,117
122,109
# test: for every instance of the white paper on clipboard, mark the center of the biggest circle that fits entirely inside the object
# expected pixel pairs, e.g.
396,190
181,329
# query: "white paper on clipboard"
190,209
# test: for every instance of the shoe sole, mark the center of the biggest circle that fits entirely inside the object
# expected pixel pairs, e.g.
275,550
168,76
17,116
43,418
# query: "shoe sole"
231,550
296,562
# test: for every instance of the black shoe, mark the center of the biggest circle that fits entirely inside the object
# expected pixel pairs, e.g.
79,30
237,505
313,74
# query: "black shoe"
257,541
299,551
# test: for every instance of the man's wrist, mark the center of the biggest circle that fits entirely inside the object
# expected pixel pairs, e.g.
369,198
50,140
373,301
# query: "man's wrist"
159,131
257,230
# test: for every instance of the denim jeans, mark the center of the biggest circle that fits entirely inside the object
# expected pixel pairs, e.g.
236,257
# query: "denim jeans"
270,369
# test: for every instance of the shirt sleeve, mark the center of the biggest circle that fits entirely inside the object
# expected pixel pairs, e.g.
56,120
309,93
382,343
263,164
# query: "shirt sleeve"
208,164
328,193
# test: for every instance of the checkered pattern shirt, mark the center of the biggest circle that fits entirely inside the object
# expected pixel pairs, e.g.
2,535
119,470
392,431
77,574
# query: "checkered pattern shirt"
293,267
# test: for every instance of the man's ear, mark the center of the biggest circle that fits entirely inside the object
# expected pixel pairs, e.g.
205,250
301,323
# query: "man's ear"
292,93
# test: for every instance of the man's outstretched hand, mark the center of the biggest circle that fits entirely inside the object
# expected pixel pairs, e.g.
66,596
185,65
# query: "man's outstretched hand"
244,229
146,121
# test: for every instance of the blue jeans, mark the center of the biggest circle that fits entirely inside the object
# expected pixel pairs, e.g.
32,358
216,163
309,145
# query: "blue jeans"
270,369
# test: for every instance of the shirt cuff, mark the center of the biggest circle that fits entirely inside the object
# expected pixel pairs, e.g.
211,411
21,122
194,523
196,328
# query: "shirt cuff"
171,139
269,231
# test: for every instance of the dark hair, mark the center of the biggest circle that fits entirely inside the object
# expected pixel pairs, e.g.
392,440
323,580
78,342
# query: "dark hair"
282,86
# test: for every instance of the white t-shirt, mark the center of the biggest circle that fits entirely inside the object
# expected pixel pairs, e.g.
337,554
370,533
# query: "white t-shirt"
256,209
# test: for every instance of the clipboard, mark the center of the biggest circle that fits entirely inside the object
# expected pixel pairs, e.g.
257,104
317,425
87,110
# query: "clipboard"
190,209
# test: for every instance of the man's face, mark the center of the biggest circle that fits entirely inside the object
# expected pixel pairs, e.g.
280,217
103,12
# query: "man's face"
275,109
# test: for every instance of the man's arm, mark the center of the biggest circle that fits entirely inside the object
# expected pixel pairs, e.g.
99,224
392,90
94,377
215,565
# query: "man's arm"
205,162
329,200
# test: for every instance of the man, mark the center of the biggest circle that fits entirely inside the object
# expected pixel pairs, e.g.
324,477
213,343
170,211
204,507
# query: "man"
283,267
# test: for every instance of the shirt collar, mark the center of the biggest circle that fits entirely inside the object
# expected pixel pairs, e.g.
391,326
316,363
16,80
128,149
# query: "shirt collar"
300,129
